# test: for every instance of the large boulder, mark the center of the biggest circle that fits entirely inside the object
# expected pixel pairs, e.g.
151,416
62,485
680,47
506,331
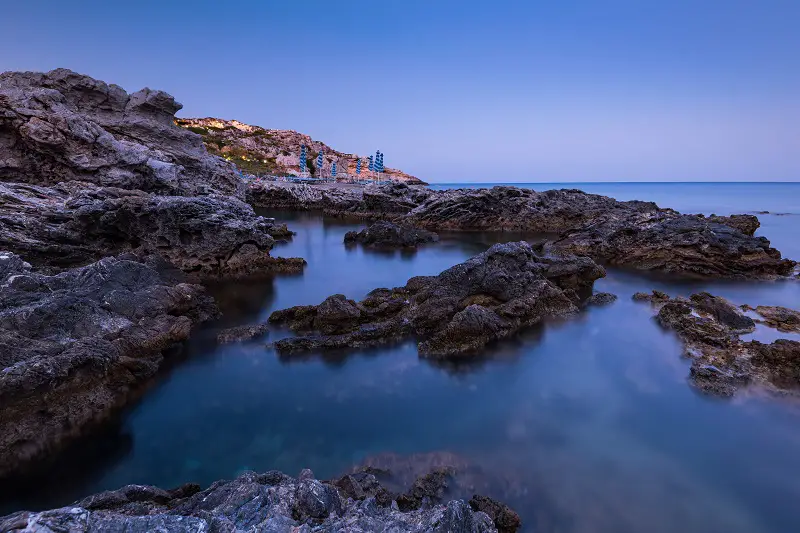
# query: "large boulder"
383,234
75,346
488,297
64,126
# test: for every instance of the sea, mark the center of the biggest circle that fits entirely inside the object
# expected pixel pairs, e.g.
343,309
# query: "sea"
581,425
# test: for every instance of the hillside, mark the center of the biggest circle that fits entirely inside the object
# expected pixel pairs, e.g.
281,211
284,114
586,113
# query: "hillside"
257,150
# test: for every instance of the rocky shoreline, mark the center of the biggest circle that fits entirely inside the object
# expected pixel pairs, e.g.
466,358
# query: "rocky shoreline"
634,234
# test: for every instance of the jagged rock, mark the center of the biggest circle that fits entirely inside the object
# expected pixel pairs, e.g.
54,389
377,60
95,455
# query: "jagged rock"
64,126
722,363
747,224
488,297
241,333
655,296
632,234
504,518
76,346
389,235
75,223
251,502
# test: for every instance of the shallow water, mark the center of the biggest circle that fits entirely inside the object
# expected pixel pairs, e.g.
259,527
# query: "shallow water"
584,425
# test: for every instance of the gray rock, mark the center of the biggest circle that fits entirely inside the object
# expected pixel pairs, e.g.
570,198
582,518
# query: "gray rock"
64,126
384,234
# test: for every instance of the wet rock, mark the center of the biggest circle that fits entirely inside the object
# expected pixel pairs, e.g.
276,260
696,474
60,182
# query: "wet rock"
427,489
488,297
722,363
248,504
242,333
75,346
63,126
389,235
655,296
601,298
504,518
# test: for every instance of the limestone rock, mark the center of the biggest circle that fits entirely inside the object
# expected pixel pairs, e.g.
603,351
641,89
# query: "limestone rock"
384,234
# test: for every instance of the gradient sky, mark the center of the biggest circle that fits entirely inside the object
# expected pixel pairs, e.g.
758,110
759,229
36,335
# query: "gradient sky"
470,90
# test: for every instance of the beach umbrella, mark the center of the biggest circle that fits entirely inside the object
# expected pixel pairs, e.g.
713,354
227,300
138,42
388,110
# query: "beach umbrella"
358,166
333,169
319,163
371,164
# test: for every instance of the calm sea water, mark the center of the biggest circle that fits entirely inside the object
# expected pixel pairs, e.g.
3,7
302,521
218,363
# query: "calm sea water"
585,425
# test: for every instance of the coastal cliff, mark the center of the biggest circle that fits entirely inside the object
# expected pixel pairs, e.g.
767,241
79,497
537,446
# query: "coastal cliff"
258,150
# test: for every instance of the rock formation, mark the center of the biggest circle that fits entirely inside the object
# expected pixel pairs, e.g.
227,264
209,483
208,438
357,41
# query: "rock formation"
241,333
257,150
384,234
488,297
63,126
75,223
87,170
722,363
76,345
633,234
271,501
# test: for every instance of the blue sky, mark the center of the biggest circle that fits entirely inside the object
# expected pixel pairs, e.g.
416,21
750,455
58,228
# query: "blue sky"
571,90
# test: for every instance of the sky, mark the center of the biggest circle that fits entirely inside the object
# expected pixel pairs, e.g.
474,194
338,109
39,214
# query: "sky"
462,91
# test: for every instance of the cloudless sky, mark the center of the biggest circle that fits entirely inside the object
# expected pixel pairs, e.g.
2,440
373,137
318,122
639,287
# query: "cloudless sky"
470,90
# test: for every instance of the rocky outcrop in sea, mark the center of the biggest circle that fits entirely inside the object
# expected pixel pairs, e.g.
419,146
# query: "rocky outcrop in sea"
489,297
634,234
383,234
722,362
273,501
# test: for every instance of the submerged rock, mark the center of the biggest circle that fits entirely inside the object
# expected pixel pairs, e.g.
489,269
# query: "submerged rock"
259,502
75,346
389,235
631,234
722,363
601,298
488,297
780,318
241,333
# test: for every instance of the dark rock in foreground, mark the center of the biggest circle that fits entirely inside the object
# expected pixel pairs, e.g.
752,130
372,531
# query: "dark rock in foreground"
722,363
631,234
389,235
601,298
241,333
488,297
267,502
77,345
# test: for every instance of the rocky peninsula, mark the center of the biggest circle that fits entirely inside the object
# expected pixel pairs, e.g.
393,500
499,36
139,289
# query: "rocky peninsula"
634,234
